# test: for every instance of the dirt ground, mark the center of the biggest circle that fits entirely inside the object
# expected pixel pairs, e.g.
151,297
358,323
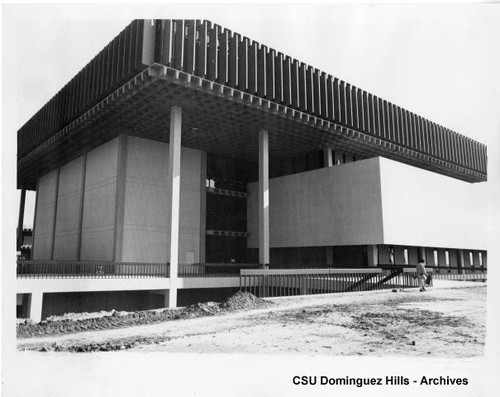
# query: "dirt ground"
447,321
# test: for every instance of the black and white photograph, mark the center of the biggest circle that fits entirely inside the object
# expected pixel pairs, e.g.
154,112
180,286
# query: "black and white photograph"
250,199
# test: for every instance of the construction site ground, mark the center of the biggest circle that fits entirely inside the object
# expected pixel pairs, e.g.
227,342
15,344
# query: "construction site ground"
449,320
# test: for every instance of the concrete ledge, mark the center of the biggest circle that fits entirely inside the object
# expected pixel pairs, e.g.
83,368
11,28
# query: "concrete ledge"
26,286
208,282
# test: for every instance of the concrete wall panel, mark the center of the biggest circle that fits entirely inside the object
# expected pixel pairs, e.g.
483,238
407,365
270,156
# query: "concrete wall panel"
145,245
98,220
147,203
66,246
68,210
102,163
329,206
422,208
44,222
97,245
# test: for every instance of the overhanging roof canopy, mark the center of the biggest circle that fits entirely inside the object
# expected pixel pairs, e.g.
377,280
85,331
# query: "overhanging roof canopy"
230,87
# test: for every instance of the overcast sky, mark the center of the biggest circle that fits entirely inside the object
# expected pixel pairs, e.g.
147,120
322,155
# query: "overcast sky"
439,61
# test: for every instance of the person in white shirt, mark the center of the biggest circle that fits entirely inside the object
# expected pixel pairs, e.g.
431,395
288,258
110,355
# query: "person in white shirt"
421,274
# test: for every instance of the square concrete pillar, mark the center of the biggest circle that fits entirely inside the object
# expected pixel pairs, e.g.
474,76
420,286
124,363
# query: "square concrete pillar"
429,256
475,254
264,198
453,257
36,304
384,257
372,255
421,254
442,257
399,255
484,254
174,185
327,157
460,260
412,256
468,261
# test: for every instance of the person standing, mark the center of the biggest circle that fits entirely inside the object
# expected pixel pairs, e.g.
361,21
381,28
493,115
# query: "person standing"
421,274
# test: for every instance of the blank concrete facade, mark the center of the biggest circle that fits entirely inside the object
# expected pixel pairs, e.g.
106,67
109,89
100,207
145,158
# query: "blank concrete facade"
372,201
128,204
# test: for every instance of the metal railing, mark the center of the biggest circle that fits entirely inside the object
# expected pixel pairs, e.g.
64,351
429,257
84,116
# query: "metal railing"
289,282
213,269
471,273
53,269
70,269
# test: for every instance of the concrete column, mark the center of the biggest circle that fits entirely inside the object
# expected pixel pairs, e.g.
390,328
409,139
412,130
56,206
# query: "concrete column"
372,255
327,157
475,257
460,260
429,256
36,303
203,207
441,257
467,259
174,185
264,198
20,222
421,254
399,255
383,255
34,220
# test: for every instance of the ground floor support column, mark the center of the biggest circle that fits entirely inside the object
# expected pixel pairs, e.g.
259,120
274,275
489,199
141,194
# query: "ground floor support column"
174,184
327,157
20,223
421,254
36,304
372,255
460,261
442,258
264,198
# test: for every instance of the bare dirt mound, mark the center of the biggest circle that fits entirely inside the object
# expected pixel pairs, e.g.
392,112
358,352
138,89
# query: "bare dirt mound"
244,300
56,325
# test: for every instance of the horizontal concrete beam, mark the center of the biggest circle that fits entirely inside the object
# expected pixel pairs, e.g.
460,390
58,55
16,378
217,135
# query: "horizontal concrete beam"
27,286
208,282
265,272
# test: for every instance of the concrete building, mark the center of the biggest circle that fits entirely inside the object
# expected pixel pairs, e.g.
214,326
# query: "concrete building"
184,150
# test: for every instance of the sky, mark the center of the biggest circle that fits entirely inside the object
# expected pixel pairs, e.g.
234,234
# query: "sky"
439,61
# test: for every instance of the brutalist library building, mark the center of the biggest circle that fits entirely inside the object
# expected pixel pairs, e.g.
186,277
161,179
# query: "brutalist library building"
185,151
